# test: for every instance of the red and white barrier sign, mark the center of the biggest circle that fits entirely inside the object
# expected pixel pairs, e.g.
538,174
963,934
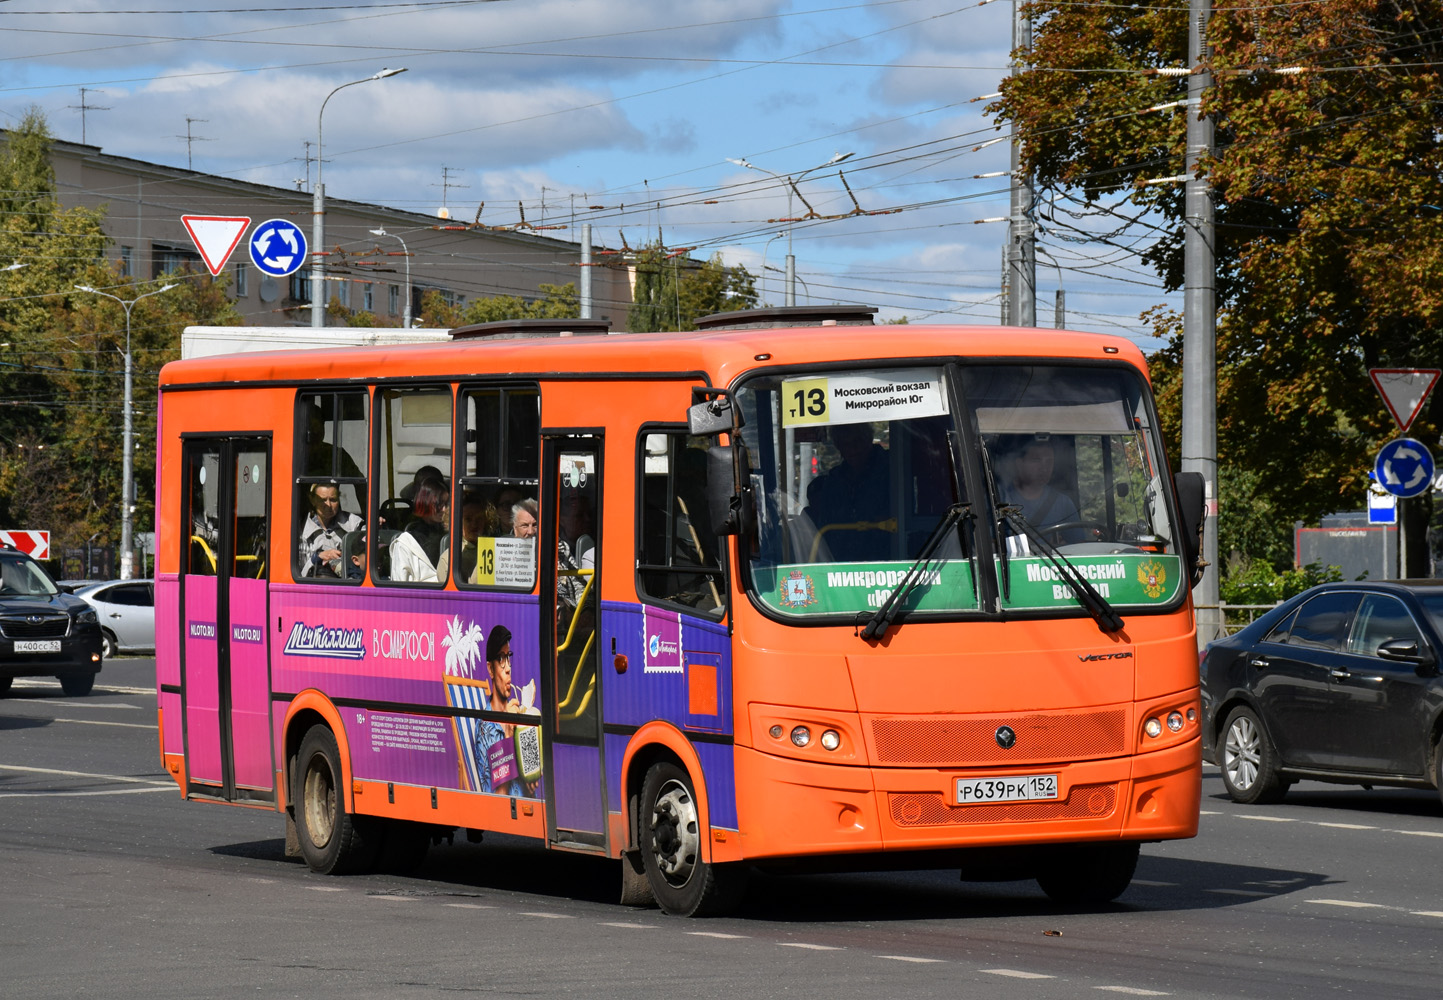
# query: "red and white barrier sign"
35,544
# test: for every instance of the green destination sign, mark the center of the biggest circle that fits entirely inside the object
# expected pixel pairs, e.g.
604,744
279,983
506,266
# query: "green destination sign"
1140,578
833,588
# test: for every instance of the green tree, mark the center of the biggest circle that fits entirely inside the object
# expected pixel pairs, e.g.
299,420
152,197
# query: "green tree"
1326,182
63,360
673,291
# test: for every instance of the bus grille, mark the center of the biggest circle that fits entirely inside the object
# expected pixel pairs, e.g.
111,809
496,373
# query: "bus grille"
961,742
46,628
929,808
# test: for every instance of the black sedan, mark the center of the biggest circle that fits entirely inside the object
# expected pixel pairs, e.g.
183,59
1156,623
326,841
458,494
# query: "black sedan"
1342,683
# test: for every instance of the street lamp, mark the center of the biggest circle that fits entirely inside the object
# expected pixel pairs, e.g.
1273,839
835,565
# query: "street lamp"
127,558
791,180
318,208
406,322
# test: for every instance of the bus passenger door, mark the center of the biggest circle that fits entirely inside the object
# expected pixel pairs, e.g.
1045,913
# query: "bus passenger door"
225,666
571,639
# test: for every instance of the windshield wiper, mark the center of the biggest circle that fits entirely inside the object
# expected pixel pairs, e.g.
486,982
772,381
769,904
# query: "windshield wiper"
999,536
882,618
1087,595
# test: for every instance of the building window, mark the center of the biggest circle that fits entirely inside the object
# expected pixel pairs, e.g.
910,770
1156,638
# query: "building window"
242,278
301,285
343,292
368,298
393,300
127,262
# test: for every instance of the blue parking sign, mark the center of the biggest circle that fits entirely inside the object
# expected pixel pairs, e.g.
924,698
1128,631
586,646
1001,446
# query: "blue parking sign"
1404,467
278,247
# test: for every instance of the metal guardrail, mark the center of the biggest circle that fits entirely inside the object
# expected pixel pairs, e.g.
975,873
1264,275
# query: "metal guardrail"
1235,617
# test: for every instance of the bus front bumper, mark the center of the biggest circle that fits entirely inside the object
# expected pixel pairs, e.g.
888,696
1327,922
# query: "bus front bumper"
790,808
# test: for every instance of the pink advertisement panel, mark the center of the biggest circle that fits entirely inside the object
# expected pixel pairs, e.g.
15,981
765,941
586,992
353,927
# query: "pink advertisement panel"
202,687
380,655
250,687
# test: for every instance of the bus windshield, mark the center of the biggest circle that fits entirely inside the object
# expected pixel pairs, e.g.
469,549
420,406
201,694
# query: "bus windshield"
852,473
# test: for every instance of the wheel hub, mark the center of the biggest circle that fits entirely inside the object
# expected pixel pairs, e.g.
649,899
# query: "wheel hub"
674,837
1242,754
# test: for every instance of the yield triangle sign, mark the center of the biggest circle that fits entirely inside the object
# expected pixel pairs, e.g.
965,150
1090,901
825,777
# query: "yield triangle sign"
1404,390
215,236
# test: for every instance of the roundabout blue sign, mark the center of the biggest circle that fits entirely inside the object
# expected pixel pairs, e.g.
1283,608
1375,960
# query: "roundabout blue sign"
1404,467
278,247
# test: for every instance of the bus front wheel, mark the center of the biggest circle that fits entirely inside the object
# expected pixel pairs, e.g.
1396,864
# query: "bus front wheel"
331,839
671,849
1088,873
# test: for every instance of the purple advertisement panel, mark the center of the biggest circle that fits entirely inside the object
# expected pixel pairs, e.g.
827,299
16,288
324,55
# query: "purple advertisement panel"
692,692
202,685
167,631
420,648
577,780
250,685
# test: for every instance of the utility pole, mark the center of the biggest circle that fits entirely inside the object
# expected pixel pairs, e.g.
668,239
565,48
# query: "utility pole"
1021,236
1199,355
586,270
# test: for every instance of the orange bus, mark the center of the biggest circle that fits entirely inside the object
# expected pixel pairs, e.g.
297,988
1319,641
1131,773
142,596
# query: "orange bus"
790,590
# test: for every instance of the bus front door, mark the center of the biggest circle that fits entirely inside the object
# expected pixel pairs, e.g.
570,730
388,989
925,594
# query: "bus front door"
225,663
571,639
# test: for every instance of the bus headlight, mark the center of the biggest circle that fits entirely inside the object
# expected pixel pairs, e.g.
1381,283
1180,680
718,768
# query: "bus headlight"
1153,727
831,739
1174,721
801,736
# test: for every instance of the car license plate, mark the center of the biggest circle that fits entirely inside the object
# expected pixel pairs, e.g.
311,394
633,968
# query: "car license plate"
37,645
1006,788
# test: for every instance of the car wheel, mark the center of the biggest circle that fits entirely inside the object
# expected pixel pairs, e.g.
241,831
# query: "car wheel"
671,848
331,839
1090,874
1248,760
108,648
77,685
5,683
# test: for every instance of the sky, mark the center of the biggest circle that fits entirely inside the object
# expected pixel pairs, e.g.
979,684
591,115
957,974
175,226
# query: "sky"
625,115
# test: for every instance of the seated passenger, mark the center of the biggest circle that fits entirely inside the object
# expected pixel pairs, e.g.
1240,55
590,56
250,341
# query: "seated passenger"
857,490
416,551
323,532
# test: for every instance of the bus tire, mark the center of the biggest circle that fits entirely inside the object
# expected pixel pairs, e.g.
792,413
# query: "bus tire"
1088,873
332,840
1248,760
671,847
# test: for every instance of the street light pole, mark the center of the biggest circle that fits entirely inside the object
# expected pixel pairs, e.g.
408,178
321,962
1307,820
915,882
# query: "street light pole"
406,313
318,208
790,180
127,557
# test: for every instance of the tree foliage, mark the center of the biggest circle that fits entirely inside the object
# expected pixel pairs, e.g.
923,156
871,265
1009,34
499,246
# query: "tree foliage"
62,363
1329,215
555,302
672,291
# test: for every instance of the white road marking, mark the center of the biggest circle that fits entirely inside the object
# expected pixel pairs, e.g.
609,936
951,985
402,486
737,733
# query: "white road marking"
546,916
1426,913
1210,812
1347,826
85,722
637,927
1133,991
717,934
1264,819
73,795
1417,833
809,947
100,688
470,906
325,888
395,899
86,774
910,958
1015,974
1347,902
1154,885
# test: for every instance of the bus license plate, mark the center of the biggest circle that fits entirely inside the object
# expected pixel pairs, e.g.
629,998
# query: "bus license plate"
1006,788
37,645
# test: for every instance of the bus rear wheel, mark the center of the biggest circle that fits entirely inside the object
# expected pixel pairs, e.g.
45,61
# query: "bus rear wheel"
1088,873
671,847
332,840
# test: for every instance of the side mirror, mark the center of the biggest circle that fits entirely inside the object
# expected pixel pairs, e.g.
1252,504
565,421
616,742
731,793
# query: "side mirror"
1404,651
723,498
710,417
1189,489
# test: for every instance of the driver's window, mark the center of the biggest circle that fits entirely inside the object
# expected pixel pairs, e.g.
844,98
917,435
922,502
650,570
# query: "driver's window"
1381,618
1323,622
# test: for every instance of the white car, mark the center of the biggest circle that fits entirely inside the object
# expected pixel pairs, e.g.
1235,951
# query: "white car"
126,609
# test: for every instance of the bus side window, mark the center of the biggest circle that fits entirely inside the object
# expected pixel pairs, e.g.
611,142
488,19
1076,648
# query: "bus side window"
677,553
330,492
413,489
500,484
